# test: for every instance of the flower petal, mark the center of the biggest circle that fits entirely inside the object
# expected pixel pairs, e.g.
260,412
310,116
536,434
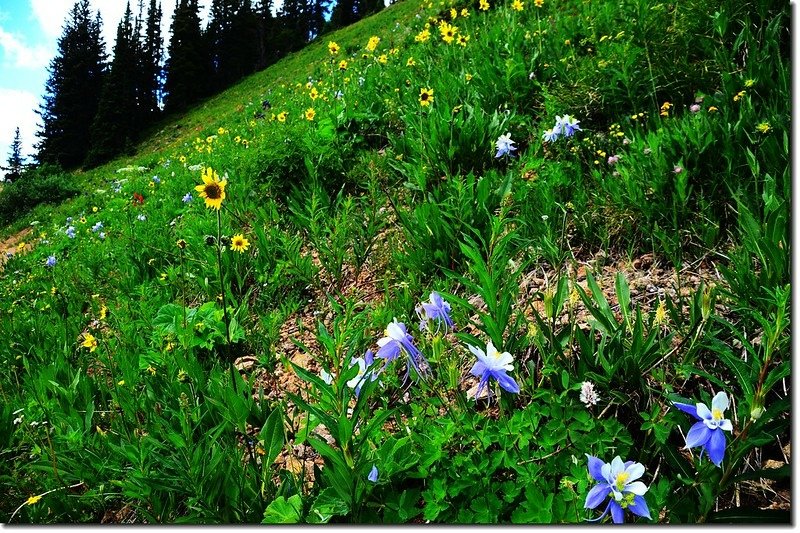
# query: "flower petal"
477,352
637,487
617,466
698,435
720,401
726,425
687,408
617,514
639,507
595,467
715,447
506,381
634,471
596,496
703,412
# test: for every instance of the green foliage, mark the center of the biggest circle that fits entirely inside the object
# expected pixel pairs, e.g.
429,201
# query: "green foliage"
183,364
44,185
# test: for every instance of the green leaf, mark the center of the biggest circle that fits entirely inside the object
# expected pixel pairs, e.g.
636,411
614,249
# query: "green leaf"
326,506
273,436
765,473
283,511
750,516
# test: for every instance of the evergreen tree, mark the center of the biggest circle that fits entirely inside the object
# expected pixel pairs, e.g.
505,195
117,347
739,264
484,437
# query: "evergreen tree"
152,55
267,30
117,123
15,161
73,89
188,67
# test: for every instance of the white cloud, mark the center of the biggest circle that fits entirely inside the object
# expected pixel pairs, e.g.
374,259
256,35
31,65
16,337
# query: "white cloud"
16,52
17,109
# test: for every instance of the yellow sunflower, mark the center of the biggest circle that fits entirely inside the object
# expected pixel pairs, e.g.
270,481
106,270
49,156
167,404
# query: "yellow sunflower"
239,243
516,5
212,189
310,113
343,64
333,48
425,97
281,116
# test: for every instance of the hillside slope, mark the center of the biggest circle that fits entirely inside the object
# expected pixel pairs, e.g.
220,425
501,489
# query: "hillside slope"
418,272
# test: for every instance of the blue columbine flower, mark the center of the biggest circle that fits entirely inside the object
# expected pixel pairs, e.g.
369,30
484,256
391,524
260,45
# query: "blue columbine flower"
71,232
97,227
435,309
396,340
156,180
493,364
567,125
550,135
363,374
709,432
51,261
187,198
102,235
373,474
505,145
618,480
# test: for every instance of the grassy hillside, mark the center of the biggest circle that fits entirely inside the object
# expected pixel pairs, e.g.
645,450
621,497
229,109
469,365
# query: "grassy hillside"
442,265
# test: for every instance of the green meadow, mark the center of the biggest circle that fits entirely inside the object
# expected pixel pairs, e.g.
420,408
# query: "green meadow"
460,262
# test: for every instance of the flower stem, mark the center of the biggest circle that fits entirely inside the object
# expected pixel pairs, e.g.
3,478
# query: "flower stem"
222,279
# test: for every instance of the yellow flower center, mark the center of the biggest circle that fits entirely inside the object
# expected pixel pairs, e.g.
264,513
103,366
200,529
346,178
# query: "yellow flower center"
716,414
622,478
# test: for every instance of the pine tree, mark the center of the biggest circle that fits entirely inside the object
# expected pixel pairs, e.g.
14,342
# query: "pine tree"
73,89
116,125
15,160
153,49
188,67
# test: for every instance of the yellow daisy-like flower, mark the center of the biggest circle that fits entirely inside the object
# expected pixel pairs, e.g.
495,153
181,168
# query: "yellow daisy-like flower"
423,36
89,342
425,97
333,48
281,116
373,43
453,13
448,31
343,65
310,113
314,94
410,62
538,3
484,5
383,59
465,12
212,189
764,127
712,109
221,131
661,313
468,76
516,5
239,243
749,83
739,96
95,209
463,39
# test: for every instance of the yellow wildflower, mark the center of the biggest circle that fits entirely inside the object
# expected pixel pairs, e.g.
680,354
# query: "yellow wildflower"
310,113
333,48
281,116
212,189
89,341
373,43
239,243
763,127
484,5
516,5
425,97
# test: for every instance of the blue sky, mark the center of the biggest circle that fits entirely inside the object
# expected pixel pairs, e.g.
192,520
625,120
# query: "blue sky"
29,31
